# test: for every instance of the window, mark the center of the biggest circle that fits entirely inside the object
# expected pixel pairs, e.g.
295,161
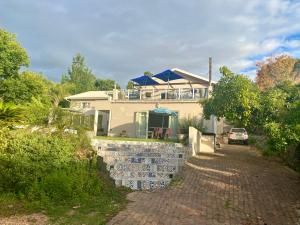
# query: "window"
163,96
85,105
148,94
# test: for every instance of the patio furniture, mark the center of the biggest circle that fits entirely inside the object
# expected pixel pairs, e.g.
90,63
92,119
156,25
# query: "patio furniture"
169,133
160,132
123,133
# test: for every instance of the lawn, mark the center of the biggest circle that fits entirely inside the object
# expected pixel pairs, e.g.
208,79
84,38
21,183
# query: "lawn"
136,139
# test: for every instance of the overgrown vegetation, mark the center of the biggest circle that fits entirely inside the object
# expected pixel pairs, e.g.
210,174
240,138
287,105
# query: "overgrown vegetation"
273,111
183,127
55,173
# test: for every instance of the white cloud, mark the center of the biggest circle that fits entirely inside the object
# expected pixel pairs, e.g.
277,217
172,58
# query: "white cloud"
123,39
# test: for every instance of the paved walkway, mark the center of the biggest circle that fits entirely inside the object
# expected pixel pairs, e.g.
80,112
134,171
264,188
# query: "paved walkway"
235,186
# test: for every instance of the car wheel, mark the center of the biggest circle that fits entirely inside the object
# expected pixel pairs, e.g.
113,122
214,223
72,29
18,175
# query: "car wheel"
246,142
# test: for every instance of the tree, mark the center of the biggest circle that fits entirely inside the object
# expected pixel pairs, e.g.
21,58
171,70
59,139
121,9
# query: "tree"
58,92
275,70
130,85
12,55
234,97
148,73
80,75
106,84
281,106
23,88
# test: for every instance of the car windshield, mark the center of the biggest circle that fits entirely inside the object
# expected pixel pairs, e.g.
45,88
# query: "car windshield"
238,130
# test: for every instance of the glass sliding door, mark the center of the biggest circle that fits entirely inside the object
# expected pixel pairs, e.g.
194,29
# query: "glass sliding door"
173,124
141,124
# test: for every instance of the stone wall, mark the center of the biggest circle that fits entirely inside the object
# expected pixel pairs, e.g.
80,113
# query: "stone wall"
142,165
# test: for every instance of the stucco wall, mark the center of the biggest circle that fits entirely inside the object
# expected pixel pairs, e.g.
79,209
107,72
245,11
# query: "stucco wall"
200,142
123,114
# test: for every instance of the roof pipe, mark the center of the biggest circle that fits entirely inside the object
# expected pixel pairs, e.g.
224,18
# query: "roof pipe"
209,70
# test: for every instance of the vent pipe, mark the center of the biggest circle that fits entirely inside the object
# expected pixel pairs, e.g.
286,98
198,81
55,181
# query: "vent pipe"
209,70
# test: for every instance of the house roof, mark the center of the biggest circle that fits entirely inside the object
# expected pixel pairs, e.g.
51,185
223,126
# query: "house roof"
188,75
89,95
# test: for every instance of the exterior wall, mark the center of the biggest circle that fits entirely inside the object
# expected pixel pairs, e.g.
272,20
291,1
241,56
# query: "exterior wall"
200,142
123,113
194,140
142,165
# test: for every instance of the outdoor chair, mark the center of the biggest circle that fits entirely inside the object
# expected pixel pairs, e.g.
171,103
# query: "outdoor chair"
123,133
159,132
169,133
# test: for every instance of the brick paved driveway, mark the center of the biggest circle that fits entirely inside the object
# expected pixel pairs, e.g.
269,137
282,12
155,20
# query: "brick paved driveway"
234,186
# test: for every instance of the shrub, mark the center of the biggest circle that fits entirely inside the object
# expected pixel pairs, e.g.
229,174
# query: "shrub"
185,123
10,114
74,184
26,157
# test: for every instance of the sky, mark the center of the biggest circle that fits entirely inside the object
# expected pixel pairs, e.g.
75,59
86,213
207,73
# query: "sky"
122,39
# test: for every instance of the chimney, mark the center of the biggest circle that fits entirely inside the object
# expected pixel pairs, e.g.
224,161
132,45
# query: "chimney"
209,70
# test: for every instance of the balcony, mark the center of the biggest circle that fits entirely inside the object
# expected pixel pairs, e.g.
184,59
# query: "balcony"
183,94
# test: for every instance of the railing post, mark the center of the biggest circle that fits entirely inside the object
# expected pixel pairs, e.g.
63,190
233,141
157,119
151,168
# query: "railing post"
179,93
193,93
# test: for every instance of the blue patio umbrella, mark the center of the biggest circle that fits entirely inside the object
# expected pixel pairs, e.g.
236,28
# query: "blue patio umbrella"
164,112
144,80
167,75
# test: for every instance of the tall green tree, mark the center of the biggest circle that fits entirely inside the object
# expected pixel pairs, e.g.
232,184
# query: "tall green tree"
12,55
80,75
106,84
23,88
280,113
234,97
130,85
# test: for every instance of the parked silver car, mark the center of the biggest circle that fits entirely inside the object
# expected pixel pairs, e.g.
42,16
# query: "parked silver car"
238,135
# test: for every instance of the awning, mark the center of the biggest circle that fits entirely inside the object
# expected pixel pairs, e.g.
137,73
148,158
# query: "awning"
144,81
167,75
164,111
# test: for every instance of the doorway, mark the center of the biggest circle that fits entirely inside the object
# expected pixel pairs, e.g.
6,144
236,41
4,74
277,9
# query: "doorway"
103,122
147,121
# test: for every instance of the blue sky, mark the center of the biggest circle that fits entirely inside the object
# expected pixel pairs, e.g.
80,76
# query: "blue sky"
122,39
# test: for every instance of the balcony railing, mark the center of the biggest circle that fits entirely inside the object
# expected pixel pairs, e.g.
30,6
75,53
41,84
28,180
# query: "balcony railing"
169,94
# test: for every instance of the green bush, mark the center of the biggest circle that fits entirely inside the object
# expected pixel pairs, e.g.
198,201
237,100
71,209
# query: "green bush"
185,123
74,184
26,157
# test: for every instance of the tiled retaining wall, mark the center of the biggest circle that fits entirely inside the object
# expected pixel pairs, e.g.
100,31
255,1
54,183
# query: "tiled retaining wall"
142,165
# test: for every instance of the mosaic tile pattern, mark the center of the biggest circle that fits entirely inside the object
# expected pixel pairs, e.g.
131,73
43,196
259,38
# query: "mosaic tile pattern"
142,165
